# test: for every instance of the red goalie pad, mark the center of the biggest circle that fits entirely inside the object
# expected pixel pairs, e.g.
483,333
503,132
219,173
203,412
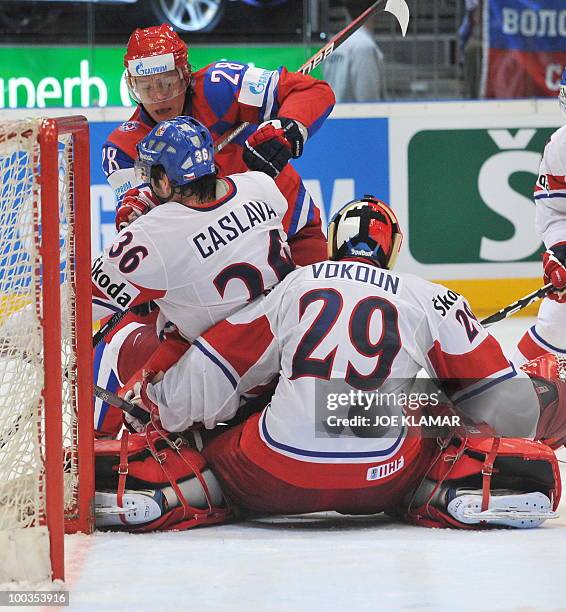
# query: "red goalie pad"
484,463
547,373
153,461
545,366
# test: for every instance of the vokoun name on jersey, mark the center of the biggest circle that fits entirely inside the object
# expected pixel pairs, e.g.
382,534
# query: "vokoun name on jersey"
227,228
368,275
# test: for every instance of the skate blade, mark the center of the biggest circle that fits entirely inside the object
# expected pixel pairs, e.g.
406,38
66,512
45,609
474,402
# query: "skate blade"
137,509
522,511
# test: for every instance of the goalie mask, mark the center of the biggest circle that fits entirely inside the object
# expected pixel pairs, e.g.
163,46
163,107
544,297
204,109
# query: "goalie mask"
156,64
184,148
366,229
562,95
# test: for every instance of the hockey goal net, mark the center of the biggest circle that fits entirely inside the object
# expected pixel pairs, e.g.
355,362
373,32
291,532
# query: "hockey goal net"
46,444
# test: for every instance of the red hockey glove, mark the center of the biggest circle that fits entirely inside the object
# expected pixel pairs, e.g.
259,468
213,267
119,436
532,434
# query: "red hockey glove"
274,142
553,261
135,203
545,366
138,395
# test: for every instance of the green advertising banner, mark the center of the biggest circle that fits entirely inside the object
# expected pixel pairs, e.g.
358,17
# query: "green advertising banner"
470,195
462,176
42,77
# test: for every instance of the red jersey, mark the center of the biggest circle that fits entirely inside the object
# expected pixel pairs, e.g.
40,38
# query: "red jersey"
222,96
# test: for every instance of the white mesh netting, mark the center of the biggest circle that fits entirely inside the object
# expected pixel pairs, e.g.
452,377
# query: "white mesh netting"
22,409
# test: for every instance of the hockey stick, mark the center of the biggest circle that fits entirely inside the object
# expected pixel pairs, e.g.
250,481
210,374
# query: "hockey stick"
106,396
518,305
118,402
108,327
398,8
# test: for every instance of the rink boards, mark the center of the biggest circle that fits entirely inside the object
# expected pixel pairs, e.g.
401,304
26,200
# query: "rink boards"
459,175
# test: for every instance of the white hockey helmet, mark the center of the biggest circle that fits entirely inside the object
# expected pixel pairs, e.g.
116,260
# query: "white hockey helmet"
366,229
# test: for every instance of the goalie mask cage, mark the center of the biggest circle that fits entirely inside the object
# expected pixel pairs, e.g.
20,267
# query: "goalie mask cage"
46,431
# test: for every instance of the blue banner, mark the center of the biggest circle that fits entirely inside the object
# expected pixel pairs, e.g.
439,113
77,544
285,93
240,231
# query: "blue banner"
526,47
528,25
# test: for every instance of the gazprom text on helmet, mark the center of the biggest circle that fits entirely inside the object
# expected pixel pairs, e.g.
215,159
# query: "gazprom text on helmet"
146,66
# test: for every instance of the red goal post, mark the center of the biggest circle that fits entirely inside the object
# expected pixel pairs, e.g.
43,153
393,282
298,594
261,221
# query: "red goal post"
46,425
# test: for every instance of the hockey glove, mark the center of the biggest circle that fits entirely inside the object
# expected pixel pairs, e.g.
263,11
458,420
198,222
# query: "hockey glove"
271,146
553,261
138,395
135,203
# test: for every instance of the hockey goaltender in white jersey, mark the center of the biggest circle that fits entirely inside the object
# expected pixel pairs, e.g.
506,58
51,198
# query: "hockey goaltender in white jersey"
348,324
348,321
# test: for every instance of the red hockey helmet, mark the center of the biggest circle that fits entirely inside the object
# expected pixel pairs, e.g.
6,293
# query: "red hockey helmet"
156,62
366,229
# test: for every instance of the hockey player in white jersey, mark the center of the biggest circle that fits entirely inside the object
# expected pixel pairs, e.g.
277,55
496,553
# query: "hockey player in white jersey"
213,245
549,332
350,324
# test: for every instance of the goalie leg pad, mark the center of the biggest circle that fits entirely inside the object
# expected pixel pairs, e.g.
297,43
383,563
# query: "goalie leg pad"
145,463
487,466
547,373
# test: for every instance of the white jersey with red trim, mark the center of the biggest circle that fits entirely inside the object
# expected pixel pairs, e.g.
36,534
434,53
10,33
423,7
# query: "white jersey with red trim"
352,322
198,264
549,332
550,190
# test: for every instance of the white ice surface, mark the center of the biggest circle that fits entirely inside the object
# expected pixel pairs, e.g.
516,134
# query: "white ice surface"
323,562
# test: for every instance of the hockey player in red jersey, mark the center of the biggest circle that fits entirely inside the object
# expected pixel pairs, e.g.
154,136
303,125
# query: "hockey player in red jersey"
348,324
213,245
549,332
284,108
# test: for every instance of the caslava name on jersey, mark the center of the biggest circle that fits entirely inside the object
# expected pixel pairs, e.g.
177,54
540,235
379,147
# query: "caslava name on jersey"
361,273
232,225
